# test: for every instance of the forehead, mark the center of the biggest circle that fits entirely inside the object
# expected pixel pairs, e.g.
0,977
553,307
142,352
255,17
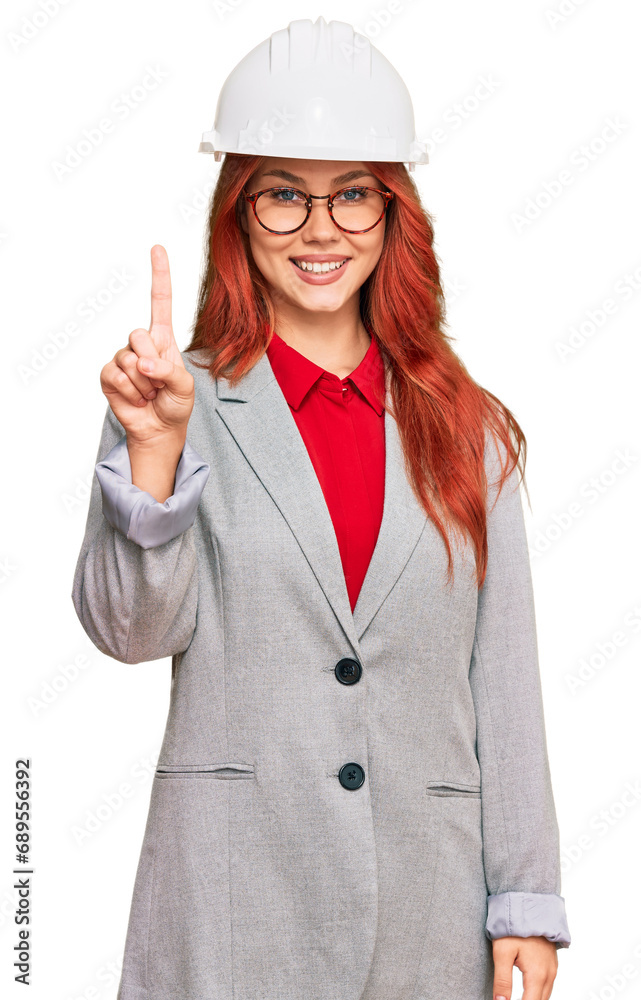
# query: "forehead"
303,172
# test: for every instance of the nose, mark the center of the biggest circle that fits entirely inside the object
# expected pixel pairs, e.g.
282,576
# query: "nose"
319,226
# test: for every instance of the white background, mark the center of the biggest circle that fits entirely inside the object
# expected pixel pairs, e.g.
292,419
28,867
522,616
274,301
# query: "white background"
556,73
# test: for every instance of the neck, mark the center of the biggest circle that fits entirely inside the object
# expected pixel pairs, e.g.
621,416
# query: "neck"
336,341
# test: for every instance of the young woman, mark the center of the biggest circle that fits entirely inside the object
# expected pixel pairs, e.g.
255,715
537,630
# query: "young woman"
314,510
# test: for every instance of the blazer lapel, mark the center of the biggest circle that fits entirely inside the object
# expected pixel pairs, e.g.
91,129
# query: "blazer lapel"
402,525
258,417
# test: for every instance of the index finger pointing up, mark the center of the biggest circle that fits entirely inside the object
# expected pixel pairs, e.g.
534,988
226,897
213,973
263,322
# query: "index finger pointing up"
160,288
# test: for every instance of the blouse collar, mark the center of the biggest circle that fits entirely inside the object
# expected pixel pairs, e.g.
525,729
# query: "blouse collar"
296,374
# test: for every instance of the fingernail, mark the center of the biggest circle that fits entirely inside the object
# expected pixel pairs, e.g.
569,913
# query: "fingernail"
500,998
151,395
147,366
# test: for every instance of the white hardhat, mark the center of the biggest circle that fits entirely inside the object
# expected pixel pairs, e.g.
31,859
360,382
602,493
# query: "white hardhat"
317,91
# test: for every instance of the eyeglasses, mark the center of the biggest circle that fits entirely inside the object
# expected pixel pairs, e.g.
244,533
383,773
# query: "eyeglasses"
284,210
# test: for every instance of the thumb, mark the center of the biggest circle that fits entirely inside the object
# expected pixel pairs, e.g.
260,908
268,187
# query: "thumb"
162,371
502,988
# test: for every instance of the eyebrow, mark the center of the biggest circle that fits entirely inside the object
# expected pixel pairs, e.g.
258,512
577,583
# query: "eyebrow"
285,175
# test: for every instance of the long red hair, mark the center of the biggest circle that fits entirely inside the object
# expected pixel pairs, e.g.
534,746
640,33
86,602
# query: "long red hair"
441,412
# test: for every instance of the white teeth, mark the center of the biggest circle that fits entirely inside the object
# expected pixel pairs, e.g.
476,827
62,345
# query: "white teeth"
331,265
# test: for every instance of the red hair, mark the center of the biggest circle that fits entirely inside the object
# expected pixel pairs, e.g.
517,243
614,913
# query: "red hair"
442,414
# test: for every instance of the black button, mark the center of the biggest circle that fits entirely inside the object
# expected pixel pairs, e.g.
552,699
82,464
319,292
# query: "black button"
351,775
348,671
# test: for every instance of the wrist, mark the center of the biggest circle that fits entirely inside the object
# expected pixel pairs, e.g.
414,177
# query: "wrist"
165,443
154,463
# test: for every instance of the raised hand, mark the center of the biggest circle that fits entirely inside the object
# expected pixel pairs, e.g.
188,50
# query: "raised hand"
151,404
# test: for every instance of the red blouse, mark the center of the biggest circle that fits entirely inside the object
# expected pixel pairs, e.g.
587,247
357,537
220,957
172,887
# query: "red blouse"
341,422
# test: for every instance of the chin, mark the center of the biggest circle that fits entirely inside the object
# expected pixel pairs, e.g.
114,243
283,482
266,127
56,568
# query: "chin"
323,302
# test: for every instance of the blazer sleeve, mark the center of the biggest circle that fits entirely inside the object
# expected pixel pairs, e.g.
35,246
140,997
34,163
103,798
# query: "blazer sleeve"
135,587
521,851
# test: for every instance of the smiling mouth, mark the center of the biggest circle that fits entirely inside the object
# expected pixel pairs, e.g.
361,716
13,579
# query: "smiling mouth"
316,268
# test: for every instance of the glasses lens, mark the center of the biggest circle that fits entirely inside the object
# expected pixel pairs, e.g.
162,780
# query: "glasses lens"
358,208
281,209
284,209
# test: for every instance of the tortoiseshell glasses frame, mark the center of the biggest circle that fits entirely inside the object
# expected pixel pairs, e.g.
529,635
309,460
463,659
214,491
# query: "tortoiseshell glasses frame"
254,196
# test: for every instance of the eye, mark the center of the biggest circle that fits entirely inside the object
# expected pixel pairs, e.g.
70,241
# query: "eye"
353,194
286,195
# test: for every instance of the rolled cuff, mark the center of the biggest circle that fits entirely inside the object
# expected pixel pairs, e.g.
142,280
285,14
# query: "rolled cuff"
135,513
528,914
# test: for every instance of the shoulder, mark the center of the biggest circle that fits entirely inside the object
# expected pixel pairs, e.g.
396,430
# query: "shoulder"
194,361
501,468
495,452
191,357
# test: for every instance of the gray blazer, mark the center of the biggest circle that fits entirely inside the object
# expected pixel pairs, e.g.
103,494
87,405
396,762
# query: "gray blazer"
346,806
